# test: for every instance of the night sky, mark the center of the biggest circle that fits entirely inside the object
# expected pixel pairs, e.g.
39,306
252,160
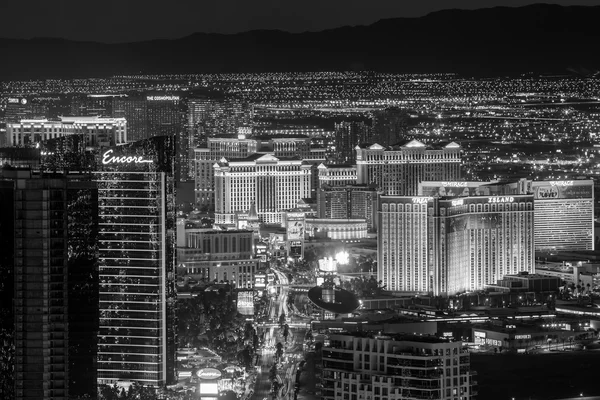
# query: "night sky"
135,20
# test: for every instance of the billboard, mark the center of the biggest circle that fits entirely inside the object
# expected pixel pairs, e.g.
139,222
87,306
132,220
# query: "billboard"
260,280
295,226
328,265
554,190
245,302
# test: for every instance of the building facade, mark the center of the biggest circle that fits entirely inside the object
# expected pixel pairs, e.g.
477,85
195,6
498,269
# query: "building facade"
398,170
336,175
216,255
164,115
352,201
337,229
137,335
55,282
134,110
384,367
272,184
218,148
98,131
348,135
446,246
564,210
564,215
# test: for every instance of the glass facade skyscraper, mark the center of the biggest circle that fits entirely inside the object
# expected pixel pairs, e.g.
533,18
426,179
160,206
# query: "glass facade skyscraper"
136,253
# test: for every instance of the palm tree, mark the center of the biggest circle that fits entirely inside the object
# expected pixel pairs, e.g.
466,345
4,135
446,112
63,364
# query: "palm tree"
279,351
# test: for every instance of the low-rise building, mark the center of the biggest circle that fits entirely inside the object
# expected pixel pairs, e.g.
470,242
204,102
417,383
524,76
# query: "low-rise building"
216,255
337,229
367,367
525,282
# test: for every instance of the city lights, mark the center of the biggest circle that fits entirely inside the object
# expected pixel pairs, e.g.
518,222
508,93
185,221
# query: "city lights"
342,258
332,234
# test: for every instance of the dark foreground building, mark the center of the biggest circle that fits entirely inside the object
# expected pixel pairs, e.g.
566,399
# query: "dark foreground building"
52,220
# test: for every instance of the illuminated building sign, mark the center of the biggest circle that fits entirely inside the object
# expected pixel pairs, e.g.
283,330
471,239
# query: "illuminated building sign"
501,199
522,337
551,190
421,200
547,192
561,183
295,228
260,281
454,184
108,158
162,98
457,202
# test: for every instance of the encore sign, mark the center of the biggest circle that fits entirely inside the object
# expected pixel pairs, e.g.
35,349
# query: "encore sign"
107,158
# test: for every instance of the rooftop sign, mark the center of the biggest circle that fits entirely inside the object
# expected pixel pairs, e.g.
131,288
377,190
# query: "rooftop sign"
501,199
421,200
162,98
455,184
561,183
108,158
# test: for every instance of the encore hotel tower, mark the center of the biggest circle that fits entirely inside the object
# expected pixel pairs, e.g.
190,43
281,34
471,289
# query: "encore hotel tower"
136,252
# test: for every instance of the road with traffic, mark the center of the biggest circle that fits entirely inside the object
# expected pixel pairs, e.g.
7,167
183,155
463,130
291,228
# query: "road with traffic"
273,334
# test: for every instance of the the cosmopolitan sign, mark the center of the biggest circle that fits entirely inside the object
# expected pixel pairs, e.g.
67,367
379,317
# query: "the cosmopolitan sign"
108,158
162,98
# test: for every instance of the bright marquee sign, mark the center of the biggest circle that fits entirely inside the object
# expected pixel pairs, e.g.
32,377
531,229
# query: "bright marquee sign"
162,98
455,184
108,158
501,199
421,200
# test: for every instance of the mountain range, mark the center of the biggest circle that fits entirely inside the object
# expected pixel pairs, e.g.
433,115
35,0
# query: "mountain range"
539,38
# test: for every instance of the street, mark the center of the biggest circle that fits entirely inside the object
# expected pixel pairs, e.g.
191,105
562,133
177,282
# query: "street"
293,349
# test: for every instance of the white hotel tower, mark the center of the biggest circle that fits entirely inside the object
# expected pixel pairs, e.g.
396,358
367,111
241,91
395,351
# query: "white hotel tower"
271,183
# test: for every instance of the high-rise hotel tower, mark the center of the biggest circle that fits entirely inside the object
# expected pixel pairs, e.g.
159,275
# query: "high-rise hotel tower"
269,183
48,231
444,246
136,252
398,170
564,210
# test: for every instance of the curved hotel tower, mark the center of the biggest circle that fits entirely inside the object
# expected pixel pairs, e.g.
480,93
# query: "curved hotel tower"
136,241
445,246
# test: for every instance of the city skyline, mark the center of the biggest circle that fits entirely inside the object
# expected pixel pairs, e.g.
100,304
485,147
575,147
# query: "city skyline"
402,210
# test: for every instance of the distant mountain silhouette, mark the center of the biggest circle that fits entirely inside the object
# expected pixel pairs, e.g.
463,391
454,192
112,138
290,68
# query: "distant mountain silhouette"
485,42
